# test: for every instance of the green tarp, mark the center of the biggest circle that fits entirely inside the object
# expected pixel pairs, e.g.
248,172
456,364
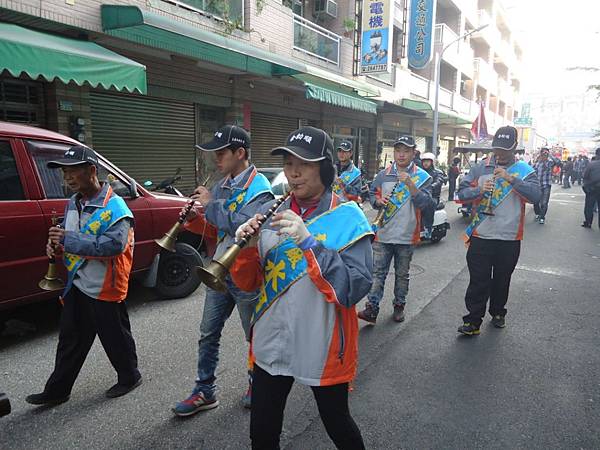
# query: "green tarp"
154,30
40,54
425,107
339,98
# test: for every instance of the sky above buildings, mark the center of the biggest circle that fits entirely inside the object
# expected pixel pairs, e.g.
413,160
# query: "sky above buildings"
556,35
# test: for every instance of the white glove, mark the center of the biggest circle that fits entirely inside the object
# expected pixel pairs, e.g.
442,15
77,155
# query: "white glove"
291,224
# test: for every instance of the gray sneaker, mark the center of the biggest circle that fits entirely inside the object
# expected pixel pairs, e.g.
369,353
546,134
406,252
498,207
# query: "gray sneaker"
368,314
499,321
398,314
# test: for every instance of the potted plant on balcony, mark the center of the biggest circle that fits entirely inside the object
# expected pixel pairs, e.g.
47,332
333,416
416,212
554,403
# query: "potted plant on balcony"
349,26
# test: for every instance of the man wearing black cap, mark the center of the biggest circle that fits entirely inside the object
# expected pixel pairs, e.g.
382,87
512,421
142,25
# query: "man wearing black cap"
232,201
502,188
543,168
591,187
349,183
403,192
311,271
96,241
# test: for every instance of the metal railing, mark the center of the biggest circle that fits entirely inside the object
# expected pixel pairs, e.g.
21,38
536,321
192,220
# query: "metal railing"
316,41
228,10
419,86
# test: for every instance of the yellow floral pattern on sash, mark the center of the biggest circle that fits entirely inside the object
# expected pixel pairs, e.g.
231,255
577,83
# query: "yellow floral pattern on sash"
94,226
106,216
295,256
321,237
274,272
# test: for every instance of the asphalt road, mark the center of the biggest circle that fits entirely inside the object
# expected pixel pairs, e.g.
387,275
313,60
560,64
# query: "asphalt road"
532,385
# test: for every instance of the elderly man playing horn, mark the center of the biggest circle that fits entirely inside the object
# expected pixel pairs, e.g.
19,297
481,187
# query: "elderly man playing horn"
97,242
311,272
500,188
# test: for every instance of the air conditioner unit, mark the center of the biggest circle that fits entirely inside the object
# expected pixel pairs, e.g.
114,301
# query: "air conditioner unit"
328,7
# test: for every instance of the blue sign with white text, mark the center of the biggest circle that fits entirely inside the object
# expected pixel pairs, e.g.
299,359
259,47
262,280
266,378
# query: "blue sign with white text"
420,34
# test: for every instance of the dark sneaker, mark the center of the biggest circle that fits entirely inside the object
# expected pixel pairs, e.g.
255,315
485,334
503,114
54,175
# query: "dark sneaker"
247,398
45,399
469,329
537,218
499,321
398,314
542,221
119,390
196,402
368,314
586,225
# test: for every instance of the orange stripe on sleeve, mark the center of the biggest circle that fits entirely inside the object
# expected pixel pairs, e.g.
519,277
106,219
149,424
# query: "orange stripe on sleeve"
314,272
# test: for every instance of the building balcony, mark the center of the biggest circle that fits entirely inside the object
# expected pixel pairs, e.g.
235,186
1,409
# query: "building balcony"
444,36
485,74
419,86
446,98
463,105
505,53
505,92
316,41
490,34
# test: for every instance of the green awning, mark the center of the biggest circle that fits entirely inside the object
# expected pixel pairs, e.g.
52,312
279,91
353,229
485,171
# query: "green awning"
154,30
339,98
39,54
314,74
444,117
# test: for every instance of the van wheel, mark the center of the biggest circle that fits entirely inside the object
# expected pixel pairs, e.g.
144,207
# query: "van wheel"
177,275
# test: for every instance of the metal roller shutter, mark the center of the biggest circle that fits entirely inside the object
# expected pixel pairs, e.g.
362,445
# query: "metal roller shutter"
267,133
147,138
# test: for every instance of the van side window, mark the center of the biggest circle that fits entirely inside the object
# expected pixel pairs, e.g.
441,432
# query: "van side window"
10,183
52,179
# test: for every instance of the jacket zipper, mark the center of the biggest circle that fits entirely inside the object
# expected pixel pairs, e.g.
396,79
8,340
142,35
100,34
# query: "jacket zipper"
341,333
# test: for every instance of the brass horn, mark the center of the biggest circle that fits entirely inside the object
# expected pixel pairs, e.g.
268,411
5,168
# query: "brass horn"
215,273
489,210
51,281
378,222
169,239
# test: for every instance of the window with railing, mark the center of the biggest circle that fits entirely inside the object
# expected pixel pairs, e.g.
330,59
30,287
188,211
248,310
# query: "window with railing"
316,41
229,10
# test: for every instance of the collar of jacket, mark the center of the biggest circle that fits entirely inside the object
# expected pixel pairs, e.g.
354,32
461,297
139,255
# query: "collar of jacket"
242,180
393,170
100,199
328,201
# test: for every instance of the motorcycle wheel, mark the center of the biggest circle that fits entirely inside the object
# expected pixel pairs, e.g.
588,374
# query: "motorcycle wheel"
177,275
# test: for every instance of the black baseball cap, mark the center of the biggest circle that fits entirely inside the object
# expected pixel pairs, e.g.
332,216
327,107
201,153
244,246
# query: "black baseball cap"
407,140
505,138
307,143
345,146
75,156
227,136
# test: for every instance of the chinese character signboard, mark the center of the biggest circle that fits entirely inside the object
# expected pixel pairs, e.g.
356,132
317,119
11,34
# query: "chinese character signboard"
376,36
420,37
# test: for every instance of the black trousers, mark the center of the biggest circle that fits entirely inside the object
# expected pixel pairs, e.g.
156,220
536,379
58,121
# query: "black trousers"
451,188
592,199
269,395
491,264
82,318
541,207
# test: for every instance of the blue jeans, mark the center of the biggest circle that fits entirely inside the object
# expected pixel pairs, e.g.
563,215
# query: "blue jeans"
218,306
382,257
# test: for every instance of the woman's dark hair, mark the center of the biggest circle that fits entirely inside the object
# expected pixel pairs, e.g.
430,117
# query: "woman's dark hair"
326,172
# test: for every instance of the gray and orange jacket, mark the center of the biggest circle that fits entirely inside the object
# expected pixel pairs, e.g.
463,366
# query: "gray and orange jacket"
108,257
405,226
311,331
509,216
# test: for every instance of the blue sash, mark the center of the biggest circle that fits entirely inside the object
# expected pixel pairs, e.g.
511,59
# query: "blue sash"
100,221
400,195
345,179
241,196
502,189
285,263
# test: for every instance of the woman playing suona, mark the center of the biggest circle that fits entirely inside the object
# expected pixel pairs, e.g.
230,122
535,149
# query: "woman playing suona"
312,262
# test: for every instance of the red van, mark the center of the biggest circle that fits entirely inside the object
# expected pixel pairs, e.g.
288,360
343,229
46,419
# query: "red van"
31,194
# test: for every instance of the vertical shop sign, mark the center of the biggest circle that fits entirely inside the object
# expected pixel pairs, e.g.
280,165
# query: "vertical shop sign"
376,39
420,37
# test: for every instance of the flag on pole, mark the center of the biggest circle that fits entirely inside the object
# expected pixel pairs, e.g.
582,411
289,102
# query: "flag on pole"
479,127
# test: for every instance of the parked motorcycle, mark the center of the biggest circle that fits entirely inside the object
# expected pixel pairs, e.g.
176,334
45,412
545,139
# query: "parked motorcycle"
166,185
440,225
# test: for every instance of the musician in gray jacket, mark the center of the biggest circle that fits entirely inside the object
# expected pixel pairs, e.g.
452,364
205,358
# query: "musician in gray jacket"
499,188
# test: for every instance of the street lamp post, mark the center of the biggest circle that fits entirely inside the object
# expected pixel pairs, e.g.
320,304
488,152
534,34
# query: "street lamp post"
438,64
